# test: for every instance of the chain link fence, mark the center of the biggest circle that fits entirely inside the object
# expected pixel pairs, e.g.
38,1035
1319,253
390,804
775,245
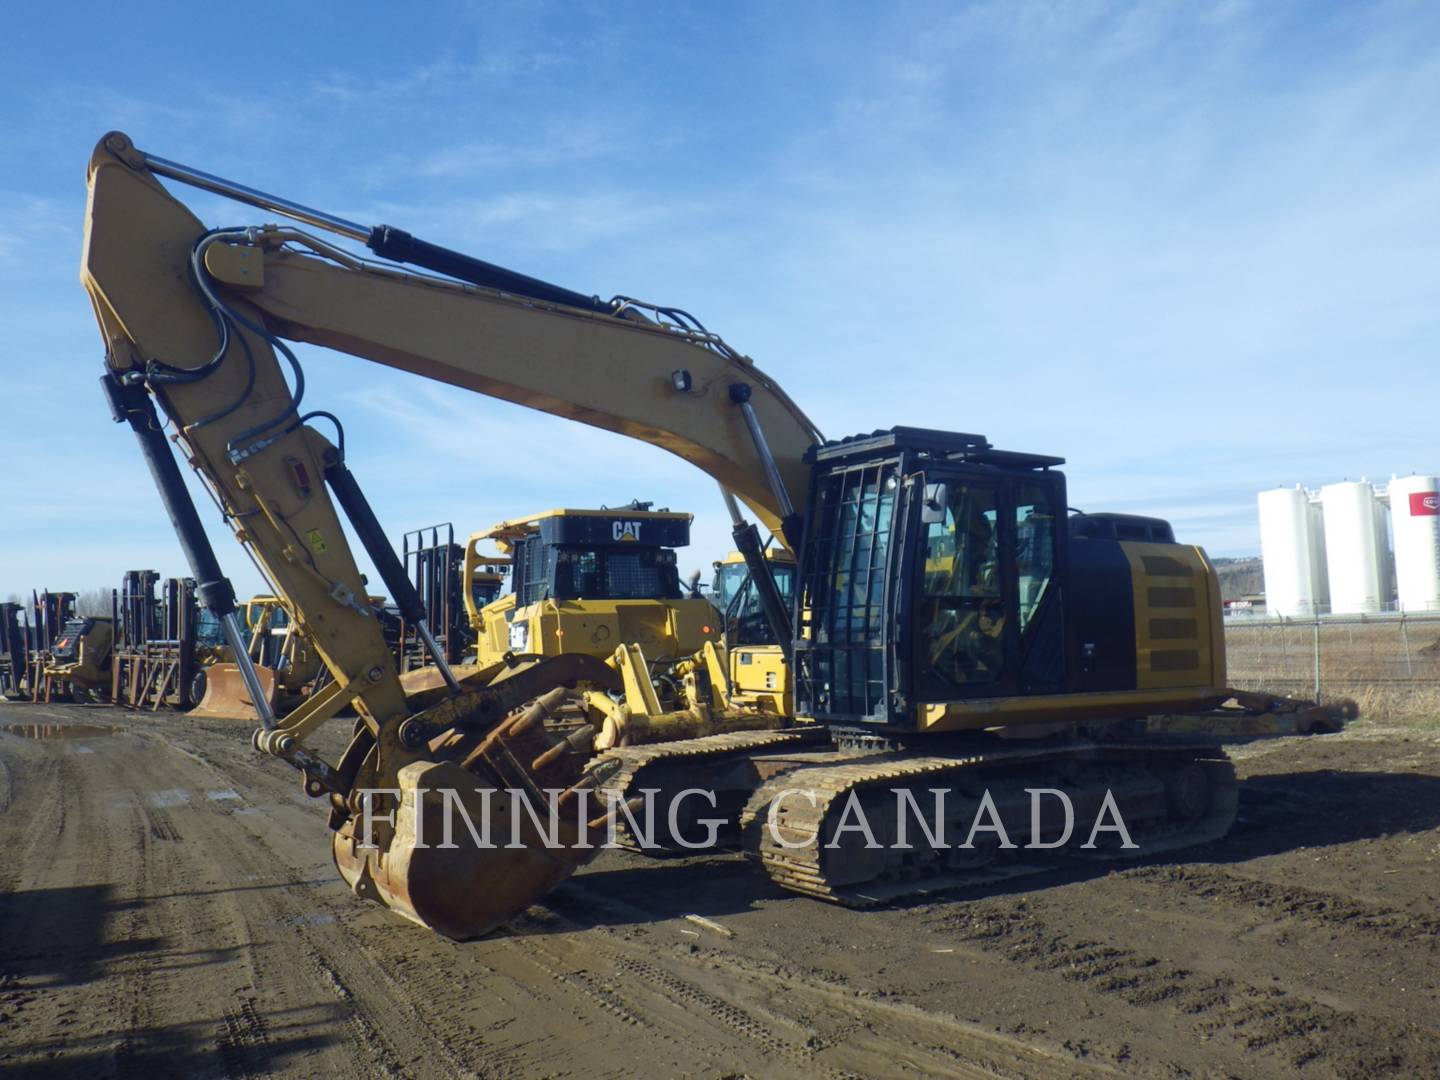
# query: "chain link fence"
1388,664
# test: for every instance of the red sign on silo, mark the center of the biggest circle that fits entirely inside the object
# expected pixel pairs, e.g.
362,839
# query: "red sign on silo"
1425,504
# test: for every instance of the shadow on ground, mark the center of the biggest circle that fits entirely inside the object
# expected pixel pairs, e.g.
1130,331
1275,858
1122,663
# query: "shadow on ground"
1279,813
241,1043
55,943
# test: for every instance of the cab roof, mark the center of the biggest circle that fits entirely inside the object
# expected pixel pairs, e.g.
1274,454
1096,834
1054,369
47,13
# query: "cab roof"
957,446
521,526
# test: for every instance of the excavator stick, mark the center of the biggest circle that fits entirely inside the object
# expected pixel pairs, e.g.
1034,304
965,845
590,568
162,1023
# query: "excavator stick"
226,697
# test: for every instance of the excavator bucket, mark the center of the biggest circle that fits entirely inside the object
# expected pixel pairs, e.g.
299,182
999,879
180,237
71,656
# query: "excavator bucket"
468,840
465,890
226,697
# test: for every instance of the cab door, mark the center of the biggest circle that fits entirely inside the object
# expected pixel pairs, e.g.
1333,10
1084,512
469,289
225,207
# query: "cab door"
964,642
987,614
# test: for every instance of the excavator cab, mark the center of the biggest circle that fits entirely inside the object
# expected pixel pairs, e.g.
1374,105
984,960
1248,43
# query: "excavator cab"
944,587
986,578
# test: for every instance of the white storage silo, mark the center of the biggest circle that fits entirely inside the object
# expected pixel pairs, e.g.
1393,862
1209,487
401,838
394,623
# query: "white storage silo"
1354,548
1382,546
1317,555
1415,522
1292,556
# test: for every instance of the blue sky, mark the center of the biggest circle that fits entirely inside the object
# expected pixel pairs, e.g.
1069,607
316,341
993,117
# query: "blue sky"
1193,248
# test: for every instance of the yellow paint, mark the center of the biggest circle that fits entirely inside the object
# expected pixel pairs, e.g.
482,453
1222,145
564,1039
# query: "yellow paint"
1177,613
759,677
1062,708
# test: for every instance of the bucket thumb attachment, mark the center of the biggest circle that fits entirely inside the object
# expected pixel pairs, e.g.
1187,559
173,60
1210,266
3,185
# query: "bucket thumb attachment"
469,838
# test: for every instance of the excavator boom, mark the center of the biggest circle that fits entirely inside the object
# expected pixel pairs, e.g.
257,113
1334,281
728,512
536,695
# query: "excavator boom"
195,322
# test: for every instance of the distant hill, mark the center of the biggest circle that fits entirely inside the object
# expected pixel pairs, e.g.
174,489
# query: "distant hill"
1239,577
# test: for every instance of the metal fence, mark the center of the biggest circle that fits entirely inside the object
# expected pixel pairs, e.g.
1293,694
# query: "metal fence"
1334,655
1391,609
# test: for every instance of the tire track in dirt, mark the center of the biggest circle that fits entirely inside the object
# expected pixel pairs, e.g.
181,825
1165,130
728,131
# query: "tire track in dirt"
244,1040
214,906
183,858
924,1039
759,999
390,1034
1290,1027
77,857
594,995
127,876
694,1015
1293,901
398,1028
29,772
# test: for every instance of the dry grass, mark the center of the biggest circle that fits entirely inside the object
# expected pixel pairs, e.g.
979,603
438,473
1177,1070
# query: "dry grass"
1393,673
1413,706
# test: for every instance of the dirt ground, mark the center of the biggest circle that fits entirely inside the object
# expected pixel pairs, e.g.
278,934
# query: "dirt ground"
168,908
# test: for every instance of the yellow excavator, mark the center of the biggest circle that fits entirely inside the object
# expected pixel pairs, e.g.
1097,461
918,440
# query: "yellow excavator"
950,629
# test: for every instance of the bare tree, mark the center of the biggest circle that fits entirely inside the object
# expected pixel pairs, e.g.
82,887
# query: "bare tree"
93,602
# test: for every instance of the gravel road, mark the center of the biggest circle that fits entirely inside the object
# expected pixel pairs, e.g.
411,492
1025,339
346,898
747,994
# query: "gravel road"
168,908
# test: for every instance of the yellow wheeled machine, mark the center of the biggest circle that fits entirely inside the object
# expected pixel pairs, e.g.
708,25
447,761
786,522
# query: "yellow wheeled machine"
759,674
951,628
76,666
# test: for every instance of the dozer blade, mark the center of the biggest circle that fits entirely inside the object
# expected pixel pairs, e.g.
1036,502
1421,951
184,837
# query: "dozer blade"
459,851
226,697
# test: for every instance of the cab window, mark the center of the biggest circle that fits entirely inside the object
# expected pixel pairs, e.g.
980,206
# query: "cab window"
745,622
1034,547
962,610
